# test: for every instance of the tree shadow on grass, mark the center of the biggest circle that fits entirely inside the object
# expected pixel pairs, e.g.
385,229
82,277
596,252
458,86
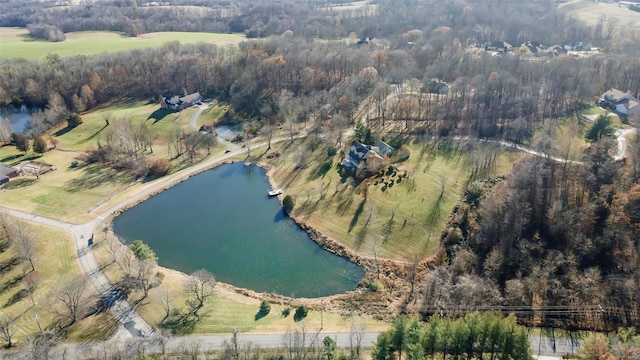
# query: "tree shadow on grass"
11,283
18,183
11,158
9,264
356,215
96,175
17,297
159,115
181,323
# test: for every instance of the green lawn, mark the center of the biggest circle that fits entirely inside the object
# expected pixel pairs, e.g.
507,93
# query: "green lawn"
55,258
70,194
396,221
16,42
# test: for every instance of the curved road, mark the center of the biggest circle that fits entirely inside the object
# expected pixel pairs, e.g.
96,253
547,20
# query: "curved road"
135,326
620,135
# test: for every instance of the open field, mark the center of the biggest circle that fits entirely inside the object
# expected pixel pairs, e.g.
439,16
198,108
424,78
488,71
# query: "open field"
71,194
16,42
591,12
397,216
54,261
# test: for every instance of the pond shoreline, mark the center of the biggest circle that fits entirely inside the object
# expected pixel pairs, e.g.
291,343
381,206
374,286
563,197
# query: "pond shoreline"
389,271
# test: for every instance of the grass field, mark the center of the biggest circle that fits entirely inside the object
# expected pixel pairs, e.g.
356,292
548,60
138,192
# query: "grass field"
16,42
55,259
397,216
591,12
70,194
228,309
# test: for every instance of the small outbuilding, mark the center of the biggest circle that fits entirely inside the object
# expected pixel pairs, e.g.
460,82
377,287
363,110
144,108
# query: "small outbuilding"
6,172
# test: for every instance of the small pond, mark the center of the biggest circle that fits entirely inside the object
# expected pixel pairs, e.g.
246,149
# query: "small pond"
222,220
19,118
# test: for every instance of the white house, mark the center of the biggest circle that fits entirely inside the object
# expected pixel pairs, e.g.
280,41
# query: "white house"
620,102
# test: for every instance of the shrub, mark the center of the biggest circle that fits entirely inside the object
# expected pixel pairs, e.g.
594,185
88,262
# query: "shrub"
39,145
374,285
288,204
265,308
301,313
73,120
286,311
160,167
331,151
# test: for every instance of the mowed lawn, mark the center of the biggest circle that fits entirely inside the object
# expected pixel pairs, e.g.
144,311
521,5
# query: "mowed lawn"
397,216
227,309
71,194
16,42
55,260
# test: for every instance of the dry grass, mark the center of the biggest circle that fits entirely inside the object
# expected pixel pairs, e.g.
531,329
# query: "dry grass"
591,12
396,221
55,260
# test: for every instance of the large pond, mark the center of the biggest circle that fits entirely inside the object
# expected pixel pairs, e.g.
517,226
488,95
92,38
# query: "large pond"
223,220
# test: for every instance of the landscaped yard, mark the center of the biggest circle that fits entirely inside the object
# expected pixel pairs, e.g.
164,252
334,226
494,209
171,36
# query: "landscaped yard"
399,215
16,42
70,193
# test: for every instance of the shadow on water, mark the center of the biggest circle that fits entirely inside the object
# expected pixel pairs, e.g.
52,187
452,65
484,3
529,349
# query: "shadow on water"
280,215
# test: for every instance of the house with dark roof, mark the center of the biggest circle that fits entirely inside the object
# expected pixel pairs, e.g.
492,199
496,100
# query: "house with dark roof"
620,102
6,172
499,46
177,103
363,158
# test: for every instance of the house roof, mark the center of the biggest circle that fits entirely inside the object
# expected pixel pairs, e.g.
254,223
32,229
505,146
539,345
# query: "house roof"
384,148
6,170
191,97
632,106
359,152
615,94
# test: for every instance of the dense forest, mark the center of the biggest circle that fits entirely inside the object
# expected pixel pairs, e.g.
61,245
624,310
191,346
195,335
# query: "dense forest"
549,235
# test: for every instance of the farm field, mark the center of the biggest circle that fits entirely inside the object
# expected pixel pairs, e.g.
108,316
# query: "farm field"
591,12
16,42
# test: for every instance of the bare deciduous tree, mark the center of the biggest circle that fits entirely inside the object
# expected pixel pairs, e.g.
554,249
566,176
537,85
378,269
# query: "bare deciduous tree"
24,242
70,294
8,329
199,288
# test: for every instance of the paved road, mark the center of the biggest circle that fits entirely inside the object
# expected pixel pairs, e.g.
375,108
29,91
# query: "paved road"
122,310
620,134
205,343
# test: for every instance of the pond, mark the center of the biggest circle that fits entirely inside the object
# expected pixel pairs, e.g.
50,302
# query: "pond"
19,118
223,220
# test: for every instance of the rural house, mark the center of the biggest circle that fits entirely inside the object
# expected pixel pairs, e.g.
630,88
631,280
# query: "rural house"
363,158
6,172
177,103
620,102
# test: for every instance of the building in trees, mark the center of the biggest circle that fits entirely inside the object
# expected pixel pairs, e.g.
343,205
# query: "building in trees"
621,102
177,103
